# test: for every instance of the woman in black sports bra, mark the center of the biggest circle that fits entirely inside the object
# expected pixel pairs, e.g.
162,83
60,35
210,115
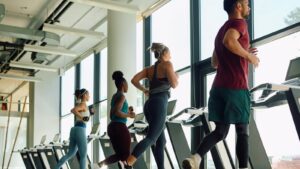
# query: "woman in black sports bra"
162,77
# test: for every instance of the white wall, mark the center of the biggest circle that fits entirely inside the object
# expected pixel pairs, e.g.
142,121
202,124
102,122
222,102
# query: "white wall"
44,108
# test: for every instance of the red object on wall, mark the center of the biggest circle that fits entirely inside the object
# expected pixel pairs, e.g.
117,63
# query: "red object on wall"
3,105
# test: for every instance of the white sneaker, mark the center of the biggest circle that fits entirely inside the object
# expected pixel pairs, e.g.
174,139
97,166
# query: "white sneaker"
121,165
193,162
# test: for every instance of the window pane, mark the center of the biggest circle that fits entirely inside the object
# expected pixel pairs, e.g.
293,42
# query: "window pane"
103,74
173,29
183,96
67,123
87,76
87,82
139,46
282,145
103,117
278,15
139,66
67,91
182,92
212,18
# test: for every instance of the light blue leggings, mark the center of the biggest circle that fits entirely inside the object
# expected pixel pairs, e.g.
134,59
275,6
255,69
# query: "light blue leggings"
78,141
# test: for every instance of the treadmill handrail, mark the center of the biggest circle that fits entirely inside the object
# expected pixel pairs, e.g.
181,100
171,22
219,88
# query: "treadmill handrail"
179,114
264,86
191,111
273,87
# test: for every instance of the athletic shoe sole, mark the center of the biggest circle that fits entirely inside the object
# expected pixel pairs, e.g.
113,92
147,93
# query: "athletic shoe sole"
186,164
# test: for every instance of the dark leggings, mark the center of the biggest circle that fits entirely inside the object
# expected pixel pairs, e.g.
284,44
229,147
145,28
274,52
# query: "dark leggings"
120,140
220,133
155,110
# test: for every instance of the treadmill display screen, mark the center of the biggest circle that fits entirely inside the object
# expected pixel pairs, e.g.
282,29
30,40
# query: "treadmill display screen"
171,107
294,69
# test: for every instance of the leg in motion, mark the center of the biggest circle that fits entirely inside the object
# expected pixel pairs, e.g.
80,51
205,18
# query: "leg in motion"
159,151
71,152
242,146
220,133
155,113
82,147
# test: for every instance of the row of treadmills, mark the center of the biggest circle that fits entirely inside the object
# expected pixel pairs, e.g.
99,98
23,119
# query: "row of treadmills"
46,156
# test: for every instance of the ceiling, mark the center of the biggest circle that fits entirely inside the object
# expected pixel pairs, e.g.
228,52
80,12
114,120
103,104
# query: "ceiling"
31,15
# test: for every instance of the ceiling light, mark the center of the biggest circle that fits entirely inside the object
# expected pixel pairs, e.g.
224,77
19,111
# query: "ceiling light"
50,50
33,66
110,5
23,78
67,30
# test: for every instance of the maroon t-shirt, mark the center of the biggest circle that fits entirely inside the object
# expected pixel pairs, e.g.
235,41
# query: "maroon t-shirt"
232,72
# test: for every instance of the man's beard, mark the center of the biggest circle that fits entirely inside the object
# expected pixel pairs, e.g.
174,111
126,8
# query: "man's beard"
246,16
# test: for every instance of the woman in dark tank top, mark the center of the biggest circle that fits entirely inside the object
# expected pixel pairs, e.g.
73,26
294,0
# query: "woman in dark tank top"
162,77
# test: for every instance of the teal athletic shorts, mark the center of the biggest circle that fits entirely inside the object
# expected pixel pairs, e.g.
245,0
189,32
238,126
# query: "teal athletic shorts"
229,106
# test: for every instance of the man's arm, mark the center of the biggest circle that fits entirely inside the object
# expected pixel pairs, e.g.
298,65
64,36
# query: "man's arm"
214,60
231,42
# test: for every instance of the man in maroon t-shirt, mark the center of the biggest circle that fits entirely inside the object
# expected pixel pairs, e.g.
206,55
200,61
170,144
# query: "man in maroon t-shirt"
229,101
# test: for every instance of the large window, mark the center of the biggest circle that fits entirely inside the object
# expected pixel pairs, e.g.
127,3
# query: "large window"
171,26
182,92
212,18
275,125
103,74
139,64
278,14
67,91
87,82
103,95
67,122
87,76
67,103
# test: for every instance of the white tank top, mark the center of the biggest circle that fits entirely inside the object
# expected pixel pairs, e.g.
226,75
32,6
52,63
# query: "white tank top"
83,114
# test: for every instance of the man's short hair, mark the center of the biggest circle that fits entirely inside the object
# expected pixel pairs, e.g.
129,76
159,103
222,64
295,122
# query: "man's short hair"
229,5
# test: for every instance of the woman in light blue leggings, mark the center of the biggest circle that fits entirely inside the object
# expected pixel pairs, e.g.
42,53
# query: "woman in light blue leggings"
78,139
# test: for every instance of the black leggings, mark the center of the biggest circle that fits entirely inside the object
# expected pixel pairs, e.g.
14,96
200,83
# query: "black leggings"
120,140
155,110
220,133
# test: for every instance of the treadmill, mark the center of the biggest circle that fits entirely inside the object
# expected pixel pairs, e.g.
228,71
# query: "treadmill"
273,95
39,159
48,151
58,151
27,159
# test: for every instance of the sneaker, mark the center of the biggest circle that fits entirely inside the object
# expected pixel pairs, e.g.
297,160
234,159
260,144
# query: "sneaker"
124,165
121,165
193,162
